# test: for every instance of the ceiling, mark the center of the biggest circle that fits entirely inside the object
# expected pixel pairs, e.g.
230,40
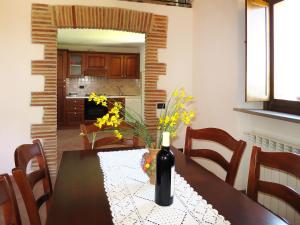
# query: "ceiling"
98,37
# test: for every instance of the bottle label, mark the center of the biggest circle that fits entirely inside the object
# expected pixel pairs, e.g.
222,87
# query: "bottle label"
172,181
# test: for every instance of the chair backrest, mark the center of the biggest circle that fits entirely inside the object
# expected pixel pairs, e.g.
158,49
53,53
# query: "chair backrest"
284,161
8,202
221,137
26,182
87,129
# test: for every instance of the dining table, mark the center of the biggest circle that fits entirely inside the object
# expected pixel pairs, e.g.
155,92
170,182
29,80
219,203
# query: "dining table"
80,196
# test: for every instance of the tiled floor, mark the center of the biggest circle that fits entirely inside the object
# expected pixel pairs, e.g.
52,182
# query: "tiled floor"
68,140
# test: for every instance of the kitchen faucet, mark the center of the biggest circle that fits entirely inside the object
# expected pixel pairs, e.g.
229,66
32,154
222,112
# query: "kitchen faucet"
119,89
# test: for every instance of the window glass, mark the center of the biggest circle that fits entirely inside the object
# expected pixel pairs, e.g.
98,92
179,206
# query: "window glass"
287,50
257,80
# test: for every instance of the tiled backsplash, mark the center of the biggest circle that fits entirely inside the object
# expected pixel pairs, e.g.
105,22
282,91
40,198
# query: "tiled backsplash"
103,86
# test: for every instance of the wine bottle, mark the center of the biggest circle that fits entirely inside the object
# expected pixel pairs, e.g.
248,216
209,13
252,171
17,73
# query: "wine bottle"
165,172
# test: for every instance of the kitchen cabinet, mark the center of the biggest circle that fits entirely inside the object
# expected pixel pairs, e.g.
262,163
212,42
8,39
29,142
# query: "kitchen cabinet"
74,111
124,66
110,65
96,64
116,67
76,64
62,68
131,64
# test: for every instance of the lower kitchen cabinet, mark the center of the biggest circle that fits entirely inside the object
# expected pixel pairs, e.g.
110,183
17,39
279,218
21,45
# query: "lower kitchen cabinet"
74,114
74,118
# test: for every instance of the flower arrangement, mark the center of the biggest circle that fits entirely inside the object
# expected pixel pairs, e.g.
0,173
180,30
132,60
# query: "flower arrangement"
174,113
170,118
115,117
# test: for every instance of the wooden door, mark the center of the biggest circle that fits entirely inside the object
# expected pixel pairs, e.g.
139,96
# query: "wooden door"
96,64
131,66
116,67
62,64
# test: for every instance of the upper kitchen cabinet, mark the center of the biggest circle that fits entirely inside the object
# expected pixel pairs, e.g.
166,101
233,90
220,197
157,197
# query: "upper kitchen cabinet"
123,66
116,67
131,66
76,64
96,64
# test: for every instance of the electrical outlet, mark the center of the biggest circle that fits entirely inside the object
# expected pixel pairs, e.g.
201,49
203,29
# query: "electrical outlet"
161,105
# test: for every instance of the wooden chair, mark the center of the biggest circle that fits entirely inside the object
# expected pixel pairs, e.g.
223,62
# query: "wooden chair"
26,182
221,137
89,129
284,161
8,202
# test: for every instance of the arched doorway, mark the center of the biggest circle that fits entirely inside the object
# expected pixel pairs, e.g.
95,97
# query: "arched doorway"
46,19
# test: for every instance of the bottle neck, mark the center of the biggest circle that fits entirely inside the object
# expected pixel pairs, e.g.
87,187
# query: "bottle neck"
166,148
166,139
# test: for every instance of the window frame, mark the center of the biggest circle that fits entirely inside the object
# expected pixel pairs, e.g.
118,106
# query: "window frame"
273,104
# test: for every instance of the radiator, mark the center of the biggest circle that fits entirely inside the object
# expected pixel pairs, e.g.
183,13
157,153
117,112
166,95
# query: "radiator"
272,203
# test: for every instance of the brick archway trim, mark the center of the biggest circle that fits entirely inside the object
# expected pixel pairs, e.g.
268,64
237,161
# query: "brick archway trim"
46,19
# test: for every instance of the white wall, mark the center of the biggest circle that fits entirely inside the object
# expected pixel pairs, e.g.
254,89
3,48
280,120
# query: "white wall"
17,52
218,79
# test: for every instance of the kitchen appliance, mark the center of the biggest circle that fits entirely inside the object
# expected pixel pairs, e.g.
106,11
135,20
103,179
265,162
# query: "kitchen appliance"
92,111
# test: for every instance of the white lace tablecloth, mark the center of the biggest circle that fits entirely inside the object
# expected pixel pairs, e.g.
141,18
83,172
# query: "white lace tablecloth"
131,196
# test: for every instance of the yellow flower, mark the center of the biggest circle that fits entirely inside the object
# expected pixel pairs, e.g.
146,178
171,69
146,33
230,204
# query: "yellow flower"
105,117
179,106
187,120
192,114
174,119
175,93
173,134
161,120
176,115
115,110
182,93
172,124
113,119
98,99
118,105
188,98
109,123
118,134
147,165
92,96
167,120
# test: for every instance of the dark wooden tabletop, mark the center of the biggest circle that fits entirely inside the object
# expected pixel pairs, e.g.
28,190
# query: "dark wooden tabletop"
79,197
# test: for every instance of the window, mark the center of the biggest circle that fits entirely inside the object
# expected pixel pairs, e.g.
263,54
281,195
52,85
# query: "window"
273,49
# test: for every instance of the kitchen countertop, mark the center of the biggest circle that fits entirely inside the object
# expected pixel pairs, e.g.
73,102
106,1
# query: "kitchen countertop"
109,96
